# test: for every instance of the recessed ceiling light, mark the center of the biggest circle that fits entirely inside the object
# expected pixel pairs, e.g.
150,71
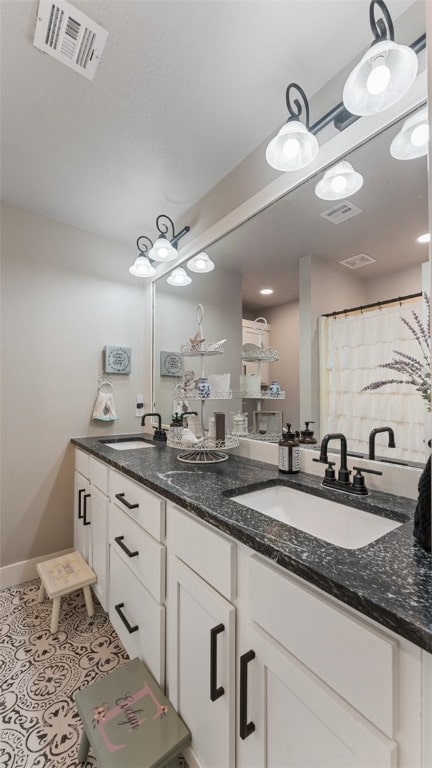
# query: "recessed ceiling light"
424,238
266,291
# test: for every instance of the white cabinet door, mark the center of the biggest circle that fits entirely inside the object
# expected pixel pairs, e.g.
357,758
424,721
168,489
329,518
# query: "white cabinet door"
288,718
249,336
82,526
99,550
201,664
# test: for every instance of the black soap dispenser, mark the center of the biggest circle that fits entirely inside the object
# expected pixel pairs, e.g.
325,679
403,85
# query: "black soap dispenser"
307,435
289,452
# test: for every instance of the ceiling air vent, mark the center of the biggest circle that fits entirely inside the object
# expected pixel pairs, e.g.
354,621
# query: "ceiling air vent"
340,212
69,36
354,262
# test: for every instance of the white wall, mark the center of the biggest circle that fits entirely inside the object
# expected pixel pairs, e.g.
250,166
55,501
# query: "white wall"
66,293
285,337
400,283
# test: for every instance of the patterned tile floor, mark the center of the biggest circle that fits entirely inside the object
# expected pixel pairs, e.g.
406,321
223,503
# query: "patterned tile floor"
39,673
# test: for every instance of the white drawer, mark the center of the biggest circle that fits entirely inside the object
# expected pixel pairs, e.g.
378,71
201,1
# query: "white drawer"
208,553
98,472
146,618
145,507
144,556
82,463
353,659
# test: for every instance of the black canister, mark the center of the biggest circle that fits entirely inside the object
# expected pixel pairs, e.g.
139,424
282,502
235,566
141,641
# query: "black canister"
289,452
307,435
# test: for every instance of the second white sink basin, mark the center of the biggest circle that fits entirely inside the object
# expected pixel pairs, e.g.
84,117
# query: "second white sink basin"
127,445
328,520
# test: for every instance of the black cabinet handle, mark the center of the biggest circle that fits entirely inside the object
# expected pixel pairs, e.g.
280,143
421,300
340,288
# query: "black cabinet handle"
80,493
120,497
245,728
129,628
215,692
85,521
119,540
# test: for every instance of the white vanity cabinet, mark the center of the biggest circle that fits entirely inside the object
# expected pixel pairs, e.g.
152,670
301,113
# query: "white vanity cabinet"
201,636
137,571
91,504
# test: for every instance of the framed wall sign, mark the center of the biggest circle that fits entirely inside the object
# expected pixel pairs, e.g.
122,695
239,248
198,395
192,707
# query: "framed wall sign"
171,364
117,359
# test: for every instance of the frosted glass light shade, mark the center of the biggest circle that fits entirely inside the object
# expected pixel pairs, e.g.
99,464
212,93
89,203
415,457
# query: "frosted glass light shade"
385,74
200,263
163,250
179,277
294,147
339,182
142,267
413,138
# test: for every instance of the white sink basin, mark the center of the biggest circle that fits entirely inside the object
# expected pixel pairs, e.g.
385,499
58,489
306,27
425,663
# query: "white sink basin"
127,445
328,520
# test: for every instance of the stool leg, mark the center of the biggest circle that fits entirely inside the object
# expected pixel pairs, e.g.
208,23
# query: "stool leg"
83,747
55,614
41,593
88,600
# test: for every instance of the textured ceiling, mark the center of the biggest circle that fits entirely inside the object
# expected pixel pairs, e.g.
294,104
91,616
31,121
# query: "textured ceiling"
185,90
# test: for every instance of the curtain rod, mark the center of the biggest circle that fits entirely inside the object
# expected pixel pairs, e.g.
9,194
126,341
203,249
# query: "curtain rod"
374,304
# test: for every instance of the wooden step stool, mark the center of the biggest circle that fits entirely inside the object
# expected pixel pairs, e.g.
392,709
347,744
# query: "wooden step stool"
63,575
128,721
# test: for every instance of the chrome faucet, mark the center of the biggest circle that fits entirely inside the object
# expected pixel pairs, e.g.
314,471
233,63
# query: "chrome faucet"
391,441
159,433
342,483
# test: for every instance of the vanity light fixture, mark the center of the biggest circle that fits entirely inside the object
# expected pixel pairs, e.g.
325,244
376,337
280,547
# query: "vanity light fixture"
294,146
179,277
141,266
386,71
413,138
266,291
423,238
339,182
164,249
200,263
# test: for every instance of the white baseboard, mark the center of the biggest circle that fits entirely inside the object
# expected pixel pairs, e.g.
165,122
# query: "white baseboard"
17,573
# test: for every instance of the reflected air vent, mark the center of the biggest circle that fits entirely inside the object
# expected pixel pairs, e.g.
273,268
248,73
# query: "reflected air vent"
69,36
354,262
341,211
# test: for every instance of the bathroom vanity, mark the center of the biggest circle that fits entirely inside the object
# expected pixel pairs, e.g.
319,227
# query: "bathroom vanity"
276,647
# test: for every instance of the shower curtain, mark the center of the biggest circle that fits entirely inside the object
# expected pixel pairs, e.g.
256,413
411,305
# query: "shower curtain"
351,349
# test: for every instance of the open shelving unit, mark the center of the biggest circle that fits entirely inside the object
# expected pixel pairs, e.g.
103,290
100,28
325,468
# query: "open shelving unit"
259,356
207,450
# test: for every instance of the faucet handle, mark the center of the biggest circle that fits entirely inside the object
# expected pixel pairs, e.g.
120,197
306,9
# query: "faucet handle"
358,483
329,474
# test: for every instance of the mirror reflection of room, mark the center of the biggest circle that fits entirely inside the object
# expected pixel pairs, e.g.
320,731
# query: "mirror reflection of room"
320,257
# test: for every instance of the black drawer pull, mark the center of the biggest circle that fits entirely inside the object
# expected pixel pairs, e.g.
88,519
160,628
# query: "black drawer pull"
245,728
215,692
120,497
84,519
119,540
129,628
80,493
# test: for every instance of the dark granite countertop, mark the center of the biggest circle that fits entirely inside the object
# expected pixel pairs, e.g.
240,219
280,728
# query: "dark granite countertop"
389,580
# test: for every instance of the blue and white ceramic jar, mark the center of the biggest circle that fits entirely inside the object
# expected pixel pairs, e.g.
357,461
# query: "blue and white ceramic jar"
203,387
274,389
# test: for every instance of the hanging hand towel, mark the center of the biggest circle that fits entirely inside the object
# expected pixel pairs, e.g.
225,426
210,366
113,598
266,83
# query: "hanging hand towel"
104,408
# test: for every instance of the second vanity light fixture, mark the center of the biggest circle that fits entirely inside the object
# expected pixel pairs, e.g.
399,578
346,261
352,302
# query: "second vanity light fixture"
382,77
163,249
339,182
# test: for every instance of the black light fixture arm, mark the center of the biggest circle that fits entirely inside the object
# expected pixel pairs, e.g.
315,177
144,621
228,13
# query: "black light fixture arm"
294,106
142,245
163,229
382,28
